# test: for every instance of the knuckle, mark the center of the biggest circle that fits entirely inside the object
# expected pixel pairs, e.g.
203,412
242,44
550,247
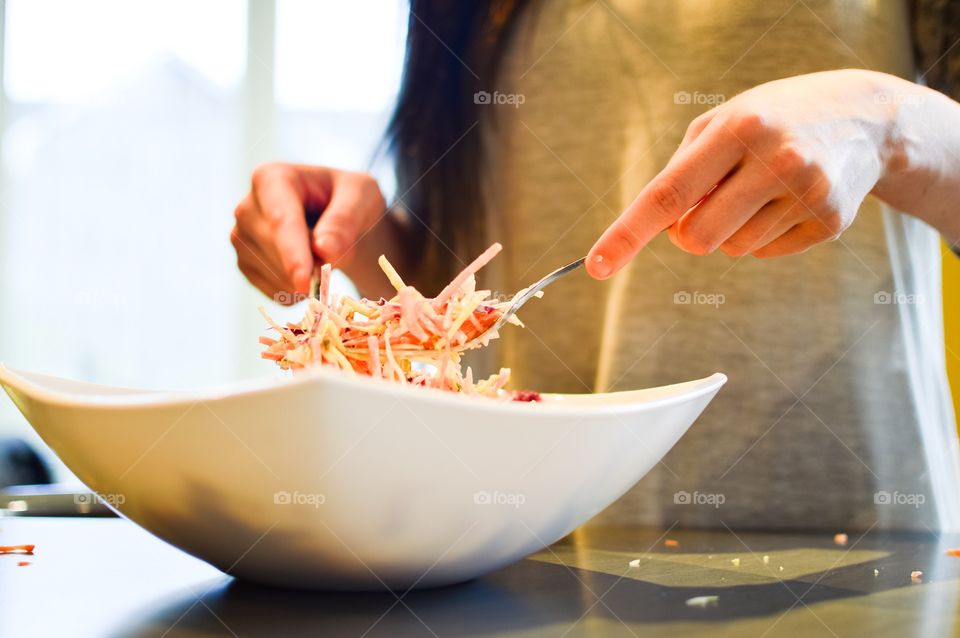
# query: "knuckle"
701,120
698,123
370,189
695,243
241,212
260,175
813,179
747,125
667,197
368,182
735,247
833,225
274,217
244,267
265,173
818,193
343,226
235,238
788,162
627,241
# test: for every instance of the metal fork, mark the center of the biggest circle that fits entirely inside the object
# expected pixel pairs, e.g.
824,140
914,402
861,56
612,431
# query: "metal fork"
527,295
530,292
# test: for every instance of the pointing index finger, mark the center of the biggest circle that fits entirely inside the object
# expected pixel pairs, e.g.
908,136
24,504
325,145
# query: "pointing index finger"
689,176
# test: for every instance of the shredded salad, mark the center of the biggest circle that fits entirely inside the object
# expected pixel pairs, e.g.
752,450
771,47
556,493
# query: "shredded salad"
408,338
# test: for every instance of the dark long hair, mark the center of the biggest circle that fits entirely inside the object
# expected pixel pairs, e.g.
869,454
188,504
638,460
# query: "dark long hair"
454,49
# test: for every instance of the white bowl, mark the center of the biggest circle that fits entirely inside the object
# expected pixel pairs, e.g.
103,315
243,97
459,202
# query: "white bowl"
327,480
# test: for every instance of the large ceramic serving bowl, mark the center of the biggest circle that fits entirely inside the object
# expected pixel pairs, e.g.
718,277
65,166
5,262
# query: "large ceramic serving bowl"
327,480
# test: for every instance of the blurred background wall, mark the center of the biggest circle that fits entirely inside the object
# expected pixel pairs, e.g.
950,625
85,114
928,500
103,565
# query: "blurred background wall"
128,130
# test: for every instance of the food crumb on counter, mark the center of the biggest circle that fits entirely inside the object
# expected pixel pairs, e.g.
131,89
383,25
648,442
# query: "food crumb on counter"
670,542
735,562
916,576
703,601
23,563
635,562
766,560
841,539
876,573
781,567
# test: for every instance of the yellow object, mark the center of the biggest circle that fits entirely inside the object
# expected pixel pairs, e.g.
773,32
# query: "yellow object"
951,320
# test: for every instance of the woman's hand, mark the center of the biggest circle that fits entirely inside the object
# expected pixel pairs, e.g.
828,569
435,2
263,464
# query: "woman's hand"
774,171
275,245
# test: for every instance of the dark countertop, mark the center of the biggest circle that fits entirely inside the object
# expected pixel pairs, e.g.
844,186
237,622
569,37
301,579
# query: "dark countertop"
107,577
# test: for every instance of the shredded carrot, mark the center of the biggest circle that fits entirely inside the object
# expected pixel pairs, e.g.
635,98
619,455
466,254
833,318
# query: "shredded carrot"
671,543
409,338
840,539
16,549
23,563
467,273
952,552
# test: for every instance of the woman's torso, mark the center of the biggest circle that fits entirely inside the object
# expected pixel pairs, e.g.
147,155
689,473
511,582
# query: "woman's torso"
822,414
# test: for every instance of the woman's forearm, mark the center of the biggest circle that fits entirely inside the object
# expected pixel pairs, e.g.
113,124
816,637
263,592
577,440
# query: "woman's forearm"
922,175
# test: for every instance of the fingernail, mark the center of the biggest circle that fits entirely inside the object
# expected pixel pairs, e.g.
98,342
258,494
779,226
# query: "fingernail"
601,267
329,247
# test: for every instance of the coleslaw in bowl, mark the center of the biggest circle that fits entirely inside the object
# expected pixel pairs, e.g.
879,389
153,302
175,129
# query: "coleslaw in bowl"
379,464
409,338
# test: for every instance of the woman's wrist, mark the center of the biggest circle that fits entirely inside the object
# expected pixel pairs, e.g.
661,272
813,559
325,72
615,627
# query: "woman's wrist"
920,153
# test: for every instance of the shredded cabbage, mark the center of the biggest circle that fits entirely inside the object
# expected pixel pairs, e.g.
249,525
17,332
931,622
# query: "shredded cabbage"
388,338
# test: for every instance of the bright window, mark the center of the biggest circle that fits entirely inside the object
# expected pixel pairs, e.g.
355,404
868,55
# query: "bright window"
67,51
130,128
338,56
